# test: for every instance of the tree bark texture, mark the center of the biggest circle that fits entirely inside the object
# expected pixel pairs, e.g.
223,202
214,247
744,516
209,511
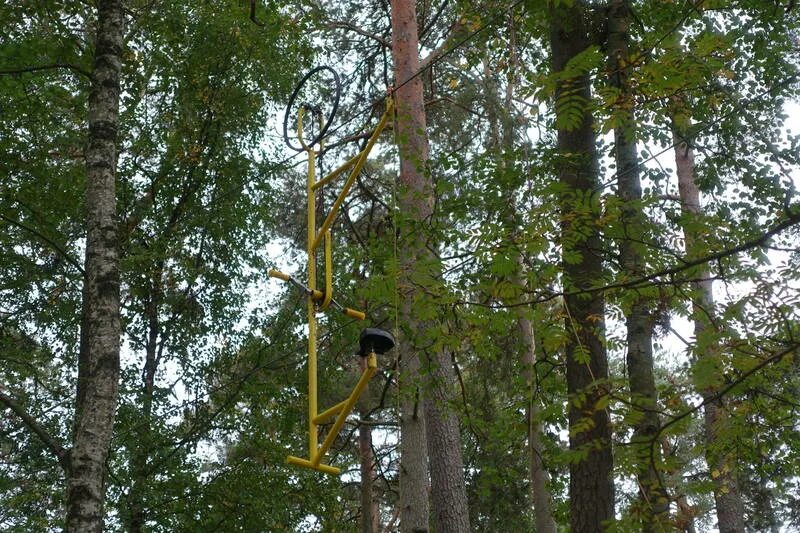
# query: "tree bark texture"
370,517
540,492
591,489
141,453
98,368
728,500
541,499
415,203
448,489
639,317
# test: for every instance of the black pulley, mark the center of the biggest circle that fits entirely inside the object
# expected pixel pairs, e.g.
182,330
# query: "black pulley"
375,340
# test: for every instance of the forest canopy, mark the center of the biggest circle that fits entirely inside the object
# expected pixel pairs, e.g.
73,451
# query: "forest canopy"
577,220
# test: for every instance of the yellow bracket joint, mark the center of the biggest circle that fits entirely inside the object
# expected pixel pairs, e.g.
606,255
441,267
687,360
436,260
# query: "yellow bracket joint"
343,409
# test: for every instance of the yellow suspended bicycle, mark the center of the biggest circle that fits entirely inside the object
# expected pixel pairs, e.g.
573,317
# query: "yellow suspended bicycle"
322,84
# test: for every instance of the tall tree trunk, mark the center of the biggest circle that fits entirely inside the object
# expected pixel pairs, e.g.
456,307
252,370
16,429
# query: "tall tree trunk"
639,317
414,508
448,489
370,518
591,489
540,493
141,451
415,203
541,499
729,504
98,366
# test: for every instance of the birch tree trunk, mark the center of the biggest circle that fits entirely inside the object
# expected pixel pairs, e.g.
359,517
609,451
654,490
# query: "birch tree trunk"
639,317
98,366
448,490
591,490
728,500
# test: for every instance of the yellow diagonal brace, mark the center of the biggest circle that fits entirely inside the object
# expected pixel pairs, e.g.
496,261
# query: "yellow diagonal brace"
336,173
327,413
372,367
326,225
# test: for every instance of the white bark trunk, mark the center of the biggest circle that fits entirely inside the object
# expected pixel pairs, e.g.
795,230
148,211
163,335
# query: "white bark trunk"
98,371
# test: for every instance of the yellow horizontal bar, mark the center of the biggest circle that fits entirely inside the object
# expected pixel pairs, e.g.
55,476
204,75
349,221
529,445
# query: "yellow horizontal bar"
336,173
278,274
372,367
305,463
352,313
326,414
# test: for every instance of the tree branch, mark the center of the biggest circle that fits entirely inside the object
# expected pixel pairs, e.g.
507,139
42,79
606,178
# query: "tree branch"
342,25
442,48
38,68
52,244
651,279
61,453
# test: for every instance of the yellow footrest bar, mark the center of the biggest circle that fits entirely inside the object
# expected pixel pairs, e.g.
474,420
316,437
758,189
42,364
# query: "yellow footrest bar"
305,463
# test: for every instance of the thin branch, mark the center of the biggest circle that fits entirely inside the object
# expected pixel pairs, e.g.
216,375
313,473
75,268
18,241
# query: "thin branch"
52,244
652,279
343,25
61,453
38,68
443,49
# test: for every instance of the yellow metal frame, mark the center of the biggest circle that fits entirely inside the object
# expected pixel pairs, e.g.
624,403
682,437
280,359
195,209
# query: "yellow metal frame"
322,300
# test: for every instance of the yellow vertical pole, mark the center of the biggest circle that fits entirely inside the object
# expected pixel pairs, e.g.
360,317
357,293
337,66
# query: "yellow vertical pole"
312,312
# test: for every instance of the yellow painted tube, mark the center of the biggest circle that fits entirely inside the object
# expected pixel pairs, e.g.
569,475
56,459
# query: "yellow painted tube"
326,225
278,274
352,313
305,463
327,413
300,112
372,367
312,312
328,273
337,172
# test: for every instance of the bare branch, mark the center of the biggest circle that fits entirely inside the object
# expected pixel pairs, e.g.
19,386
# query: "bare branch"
442,48
52,244
61,453
340,24
38,68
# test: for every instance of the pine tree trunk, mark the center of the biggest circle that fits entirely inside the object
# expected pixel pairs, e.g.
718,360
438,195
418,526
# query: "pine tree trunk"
98,367
414,507
448,489
729,504
639,317
591,490
370,519
414,204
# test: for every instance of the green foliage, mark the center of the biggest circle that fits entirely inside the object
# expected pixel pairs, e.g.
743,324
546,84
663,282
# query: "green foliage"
203,207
